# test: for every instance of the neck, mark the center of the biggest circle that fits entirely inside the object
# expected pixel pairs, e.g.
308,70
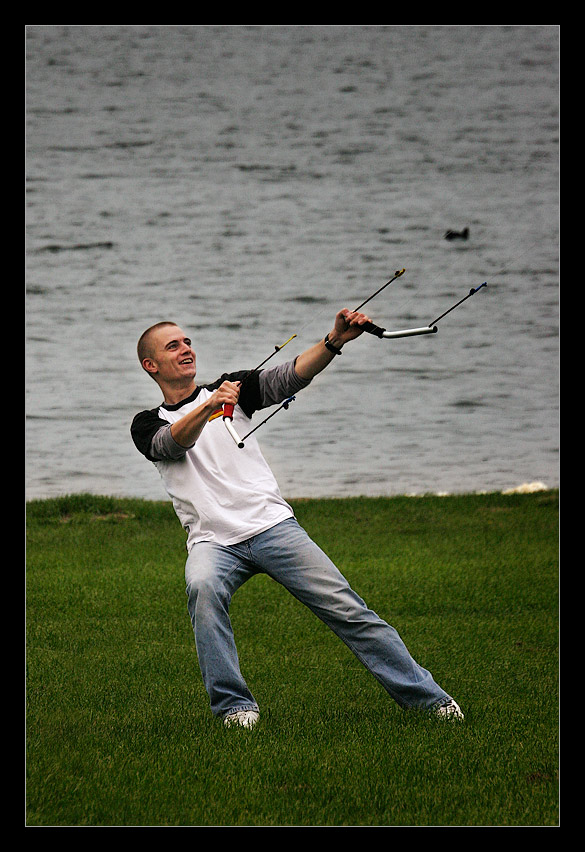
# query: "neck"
175,393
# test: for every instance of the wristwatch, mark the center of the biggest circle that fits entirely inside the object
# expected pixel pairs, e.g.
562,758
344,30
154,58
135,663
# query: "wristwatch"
331,347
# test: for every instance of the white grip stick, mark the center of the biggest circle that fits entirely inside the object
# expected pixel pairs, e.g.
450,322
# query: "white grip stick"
411,332
233,433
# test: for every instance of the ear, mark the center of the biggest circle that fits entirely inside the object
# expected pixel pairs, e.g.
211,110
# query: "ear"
149,365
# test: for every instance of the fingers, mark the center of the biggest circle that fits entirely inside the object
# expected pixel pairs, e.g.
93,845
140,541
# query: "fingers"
355,318
228,393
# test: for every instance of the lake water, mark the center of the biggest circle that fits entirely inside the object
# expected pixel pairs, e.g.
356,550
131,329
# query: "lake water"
249,181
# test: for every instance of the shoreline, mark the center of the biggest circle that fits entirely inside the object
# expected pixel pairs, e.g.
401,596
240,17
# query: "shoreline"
89,499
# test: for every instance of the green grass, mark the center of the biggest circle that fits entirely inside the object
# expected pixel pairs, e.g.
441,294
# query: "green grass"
118,727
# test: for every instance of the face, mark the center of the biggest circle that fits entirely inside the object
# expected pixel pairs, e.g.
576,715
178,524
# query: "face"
172,358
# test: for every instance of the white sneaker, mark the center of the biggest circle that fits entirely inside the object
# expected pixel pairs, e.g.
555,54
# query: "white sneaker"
241,719
450,710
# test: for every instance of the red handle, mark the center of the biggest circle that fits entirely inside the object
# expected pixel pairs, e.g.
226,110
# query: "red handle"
228,411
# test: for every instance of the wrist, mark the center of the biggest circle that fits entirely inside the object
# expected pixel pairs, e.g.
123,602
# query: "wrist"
333,343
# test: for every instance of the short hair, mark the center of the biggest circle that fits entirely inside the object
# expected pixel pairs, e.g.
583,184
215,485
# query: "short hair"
143,348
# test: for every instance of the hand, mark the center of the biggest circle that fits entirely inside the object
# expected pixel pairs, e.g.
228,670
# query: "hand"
227,393
347,326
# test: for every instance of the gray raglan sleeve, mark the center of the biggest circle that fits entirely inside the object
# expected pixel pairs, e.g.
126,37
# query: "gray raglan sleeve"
278,383
152,437
164,447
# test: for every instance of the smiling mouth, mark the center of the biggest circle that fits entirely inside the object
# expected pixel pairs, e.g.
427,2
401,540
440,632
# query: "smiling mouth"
186,361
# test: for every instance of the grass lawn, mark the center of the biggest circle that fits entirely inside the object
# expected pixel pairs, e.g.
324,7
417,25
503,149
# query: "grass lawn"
118,727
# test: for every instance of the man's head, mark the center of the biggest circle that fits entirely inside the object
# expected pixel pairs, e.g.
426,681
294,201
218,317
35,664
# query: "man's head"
165,353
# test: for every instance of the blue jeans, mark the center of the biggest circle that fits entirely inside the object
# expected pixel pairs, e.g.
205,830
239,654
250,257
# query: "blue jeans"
286,553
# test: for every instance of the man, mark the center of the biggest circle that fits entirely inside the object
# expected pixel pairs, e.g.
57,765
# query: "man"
238,523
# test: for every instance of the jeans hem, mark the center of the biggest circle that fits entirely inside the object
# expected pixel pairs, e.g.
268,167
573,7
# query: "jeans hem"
440,703
240,708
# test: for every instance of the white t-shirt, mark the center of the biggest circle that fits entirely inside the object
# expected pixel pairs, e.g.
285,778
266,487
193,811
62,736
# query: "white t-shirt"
220,492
